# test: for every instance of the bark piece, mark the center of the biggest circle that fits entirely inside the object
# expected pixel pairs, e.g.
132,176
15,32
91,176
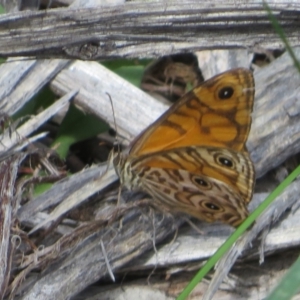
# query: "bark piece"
145,29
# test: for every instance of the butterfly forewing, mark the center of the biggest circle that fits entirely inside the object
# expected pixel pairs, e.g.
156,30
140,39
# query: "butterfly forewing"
216,113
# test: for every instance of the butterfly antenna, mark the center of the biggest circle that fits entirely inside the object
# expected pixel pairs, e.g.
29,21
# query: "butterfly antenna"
115,123
118,143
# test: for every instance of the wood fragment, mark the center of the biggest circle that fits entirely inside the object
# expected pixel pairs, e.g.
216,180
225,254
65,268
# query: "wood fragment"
23,80
8,175
9,141
141,31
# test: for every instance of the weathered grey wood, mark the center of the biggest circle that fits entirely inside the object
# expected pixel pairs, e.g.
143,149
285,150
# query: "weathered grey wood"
274,134
213,62
11,74
83,189
21,80
191,246
133,108
16,138
145,29
60,191
8,203
86,264
248,281
10,5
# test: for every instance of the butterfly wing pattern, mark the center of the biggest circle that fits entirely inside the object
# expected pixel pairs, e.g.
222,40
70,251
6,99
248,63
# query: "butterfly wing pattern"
193,159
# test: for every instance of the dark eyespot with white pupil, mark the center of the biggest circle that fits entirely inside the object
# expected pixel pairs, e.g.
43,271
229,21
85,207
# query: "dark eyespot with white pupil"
225,161
201,182
212,206
226,92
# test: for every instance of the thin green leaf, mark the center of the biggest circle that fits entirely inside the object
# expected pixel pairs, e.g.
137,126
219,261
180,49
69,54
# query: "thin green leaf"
289,285
2,10
281,34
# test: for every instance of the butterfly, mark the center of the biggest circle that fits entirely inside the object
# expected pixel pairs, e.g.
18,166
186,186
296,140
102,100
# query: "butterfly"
194,159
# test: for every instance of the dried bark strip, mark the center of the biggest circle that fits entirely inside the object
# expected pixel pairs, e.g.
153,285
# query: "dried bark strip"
8,141
8,174
87,262
145,29
60,191
22,79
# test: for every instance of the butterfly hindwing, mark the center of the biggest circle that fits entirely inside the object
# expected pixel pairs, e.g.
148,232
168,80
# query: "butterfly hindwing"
201,196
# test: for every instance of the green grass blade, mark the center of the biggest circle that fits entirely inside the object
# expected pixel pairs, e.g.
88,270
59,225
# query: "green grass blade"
2,10
281,34
289,285
239,231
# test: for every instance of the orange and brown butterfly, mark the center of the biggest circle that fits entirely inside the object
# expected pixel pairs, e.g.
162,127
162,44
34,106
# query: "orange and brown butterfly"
193,159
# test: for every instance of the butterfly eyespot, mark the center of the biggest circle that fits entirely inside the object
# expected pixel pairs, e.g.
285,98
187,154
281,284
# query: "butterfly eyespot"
200,181
226,92
225,161
211,206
